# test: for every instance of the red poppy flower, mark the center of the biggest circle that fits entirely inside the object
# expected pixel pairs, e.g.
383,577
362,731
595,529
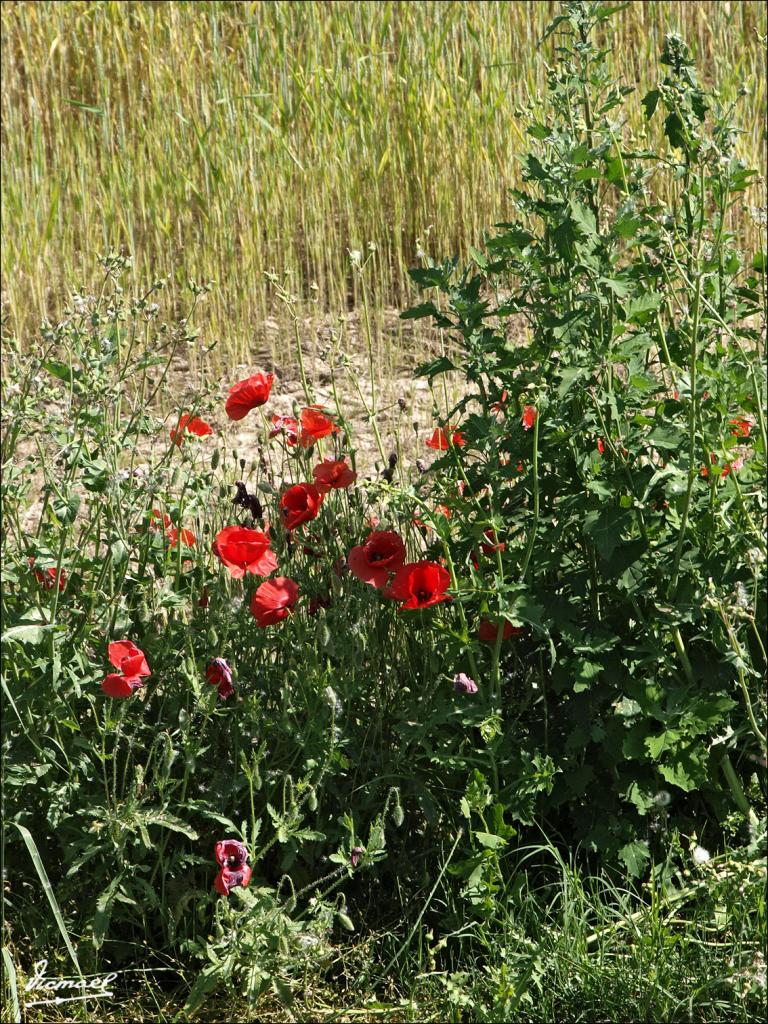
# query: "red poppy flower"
315,425
741,427
232,858
119,686
192,425
287,426
130,659
219,674
243,550
299,504
47,577
333,474
188,538
600,446
489,548
248,394
274,600
203,602
159,520
441,442
529,417
488,631
420,584
131,664
372,562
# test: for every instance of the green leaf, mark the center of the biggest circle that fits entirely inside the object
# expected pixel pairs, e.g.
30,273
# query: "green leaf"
433,369
25,633
426,309
61,370
103,913
674,129
48,890
605,527
583,218
169,821
637,310
585,672
666,437
490,842
635,855
650,102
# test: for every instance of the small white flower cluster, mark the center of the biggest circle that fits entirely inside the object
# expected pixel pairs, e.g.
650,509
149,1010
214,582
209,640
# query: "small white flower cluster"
700,855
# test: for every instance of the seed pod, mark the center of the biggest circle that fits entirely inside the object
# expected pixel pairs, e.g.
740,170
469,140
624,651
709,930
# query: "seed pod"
212,638
215,459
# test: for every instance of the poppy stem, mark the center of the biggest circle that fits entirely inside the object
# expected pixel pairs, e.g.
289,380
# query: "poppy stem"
535,526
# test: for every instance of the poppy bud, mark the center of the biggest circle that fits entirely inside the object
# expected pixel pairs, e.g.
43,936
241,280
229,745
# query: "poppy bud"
463,684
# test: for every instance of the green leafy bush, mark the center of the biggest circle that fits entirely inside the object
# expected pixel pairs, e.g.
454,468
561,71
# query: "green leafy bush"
611,452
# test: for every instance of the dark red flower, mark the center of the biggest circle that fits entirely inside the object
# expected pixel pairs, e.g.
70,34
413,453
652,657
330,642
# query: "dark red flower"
243,550
203,602
355,854
600,446
333,474
219,674
419,585
299,504
382,554
529,417
274,600
286,425
248,394
489,631
441,442
463,684
47,577
232,858
321,601
490,548
192,425
315,425
131,664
